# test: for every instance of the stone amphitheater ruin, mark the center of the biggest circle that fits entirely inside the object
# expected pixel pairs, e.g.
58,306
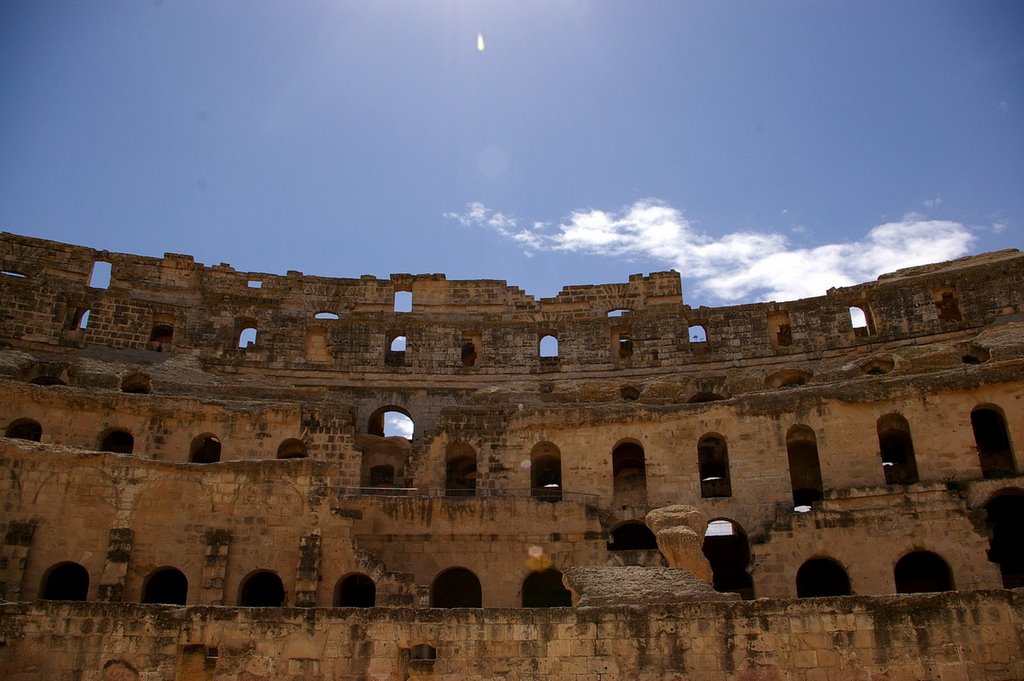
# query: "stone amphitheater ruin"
202,476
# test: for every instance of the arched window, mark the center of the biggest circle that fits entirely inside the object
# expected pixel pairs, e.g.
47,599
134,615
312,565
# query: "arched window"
1005,519
117,441
821,577
727,549
205,448
922,572
804,467
622,343
166,585
456,588
546,472
632,536
993,442
713,466
325,315
391,421
897,450
861,321
247,336
65,582
460,470
629,473
292,448
137,383
162,333
355,591
548,347
780,330
382,476
395,353
545,590
698,334
25,429
82,318
261,589
470,356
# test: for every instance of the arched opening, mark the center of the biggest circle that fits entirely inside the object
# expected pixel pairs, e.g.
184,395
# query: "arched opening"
137,383
292,448
162,333
456,588
65,582
897,450
780,330
395,353
804,467
787,378
117,441
545,590
261,589
713,466
546,472
947,306
382,476
422,652
622,343
24,429
993,442
861,321
247,336
469,355
82,319
166,585
728,551
47,381
702,397
922,572
698,334
391,421
355,591
325,315
460,470
629,392
632,536
548,347
821,577
629,473
99,277
1005,519
205,448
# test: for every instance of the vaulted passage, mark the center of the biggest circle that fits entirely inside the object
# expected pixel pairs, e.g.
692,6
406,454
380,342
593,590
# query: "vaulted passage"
455,588
713,466
546,472
804,467
355,591
897,450
993,442
821,577
65,582
629,473
1005,520
261,589
166,585
25,429
460,470
117,441
922,572
727,549
632,536
204,449
545,590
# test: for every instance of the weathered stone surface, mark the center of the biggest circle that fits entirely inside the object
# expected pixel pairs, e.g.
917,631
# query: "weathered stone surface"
679,531
605,585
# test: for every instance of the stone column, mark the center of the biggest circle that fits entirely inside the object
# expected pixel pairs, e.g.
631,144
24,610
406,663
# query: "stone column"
679,531
215,566
13,558
307,576
119,548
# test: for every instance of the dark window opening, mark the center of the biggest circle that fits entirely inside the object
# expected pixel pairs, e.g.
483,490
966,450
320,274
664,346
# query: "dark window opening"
545,590
205,449
546,472
822,577
629,473
1005,519
25,429
162,333
728,551
47,381
65,582
922,572
804,467
897,450
355,591
382,476
261,590
632,536
456,588
780,331
878,366
167,585
713,467
629,392
422,652
622,343
137,384
118,442
993,442
946,305
292,448
460,471
469,354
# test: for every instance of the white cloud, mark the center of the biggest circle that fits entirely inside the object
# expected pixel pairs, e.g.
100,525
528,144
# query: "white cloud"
932,203
998,227
740,266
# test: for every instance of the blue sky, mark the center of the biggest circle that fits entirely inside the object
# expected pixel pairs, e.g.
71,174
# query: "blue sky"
766,150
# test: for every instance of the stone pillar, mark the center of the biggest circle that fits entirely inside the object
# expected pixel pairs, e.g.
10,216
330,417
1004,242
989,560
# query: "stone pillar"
679,531
119,548
307,576
215,566
14,557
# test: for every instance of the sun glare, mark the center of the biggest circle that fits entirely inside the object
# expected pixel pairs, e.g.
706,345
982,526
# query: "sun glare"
480,42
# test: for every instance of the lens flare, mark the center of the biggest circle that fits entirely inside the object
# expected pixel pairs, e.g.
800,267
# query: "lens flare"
480,42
